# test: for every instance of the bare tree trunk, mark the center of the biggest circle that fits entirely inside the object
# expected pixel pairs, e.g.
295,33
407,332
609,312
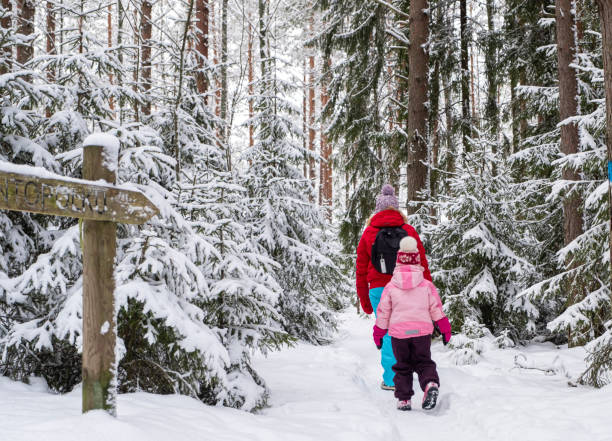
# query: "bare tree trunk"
304,116
311,107
136,72
216,58
51,49
146,31
448,116
465,79
492,110
605,15
120,16
326,181
251,79
202,46
568,91
224,86
109,25
25,27
418,64
474,120
224,60
5,23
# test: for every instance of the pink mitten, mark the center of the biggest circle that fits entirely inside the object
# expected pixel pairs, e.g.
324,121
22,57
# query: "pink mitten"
445,329
378,336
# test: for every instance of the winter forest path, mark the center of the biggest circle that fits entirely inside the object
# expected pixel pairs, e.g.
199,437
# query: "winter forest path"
335,394
332,393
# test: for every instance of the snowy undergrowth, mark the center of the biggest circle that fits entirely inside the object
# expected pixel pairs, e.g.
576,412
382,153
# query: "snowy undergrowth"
332,393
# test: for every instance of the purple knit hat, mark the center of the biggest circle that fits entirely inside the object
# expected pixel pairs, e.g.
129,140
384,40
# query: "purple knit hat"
386,199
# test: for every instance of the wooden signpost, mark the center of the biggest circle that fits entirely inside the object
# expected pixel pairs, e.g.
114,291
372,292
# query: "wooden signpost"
101,205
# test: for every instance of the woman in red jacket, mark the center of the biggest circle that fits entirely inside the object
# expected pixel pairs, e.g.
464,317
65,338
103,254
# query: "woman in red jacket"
370,283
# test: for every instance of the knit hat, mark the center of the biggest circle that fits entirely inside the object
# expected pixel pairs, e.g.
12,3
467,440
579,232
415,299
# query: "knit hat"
408,253
386,199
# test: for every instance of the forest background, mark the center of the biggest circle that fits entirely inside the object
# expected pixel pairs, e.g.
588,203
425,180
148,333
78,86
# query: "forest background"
263,130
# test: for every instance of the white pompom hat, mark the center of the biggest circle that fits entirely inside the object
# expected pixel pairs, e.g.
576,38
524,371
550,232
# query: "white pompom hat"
408,253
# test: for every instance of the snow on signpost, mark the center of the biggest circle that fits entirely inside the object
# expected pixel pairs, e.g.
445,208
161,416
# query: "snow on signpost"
101,204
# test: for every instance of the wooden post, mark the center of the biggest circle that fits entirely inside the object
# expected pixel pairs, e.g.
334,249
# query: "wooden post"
99,248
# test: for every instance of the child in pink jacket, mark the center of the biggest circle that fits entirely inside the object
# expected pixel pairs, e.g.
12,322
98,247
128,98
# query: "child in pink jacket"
408,305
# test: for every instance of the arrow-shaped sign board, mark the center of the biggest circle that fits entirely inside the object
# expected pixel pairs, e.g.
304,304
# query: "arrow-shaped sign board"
36,190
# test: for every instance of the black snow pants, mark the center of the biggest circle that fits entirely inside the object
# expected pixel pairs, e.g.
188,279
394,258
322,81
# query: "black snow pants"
412,355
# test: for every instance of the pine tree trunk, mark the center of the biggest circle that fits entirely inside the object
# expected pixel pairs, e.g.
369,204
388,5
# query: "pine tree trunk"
51,50
146,31
109,25
223,113
27,9
215,41
5,23
263,56
311,108
136,72
251,79
568,91
465,78
492,110
448,116
418,64
224,86
202,46
605,15
326,181
305,116
120,16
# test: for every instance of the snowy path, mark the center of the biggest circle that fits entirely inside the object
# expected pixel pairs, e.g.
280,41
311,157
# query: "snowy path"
332,393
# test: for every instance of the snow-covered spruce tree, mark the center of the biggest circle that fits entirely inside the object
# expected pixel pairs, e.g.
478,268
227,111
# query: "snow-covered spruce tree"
476,249
285,225
239,303
26,239
576,293
356,32
244,292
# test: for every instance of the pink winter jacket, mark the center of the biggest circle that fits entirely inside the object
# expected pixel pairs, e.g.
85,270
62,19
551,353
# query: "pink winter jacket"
409,304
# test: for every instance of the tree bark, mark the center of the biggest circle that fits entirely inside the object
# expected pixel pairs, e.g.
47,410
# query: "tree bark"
25,27
146,32
325,175
418,64
109,26
51,49
492,110
465,78
605,16
202,46
136,71
305,115
5,24
215,42
568,107
251,79
311,107
224,60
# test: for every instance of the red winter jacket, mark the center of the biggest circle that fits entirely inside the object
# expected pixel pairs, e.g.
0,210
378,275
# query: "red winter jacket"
367,276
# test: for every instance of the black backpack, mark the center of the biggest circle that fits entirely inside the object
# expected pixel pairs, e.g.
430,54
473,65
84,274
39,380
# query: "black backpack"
385,248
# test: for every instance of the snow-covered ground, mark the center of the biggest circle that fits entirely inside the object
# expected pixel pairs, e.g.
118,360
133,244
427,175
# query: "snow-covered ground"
332,393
